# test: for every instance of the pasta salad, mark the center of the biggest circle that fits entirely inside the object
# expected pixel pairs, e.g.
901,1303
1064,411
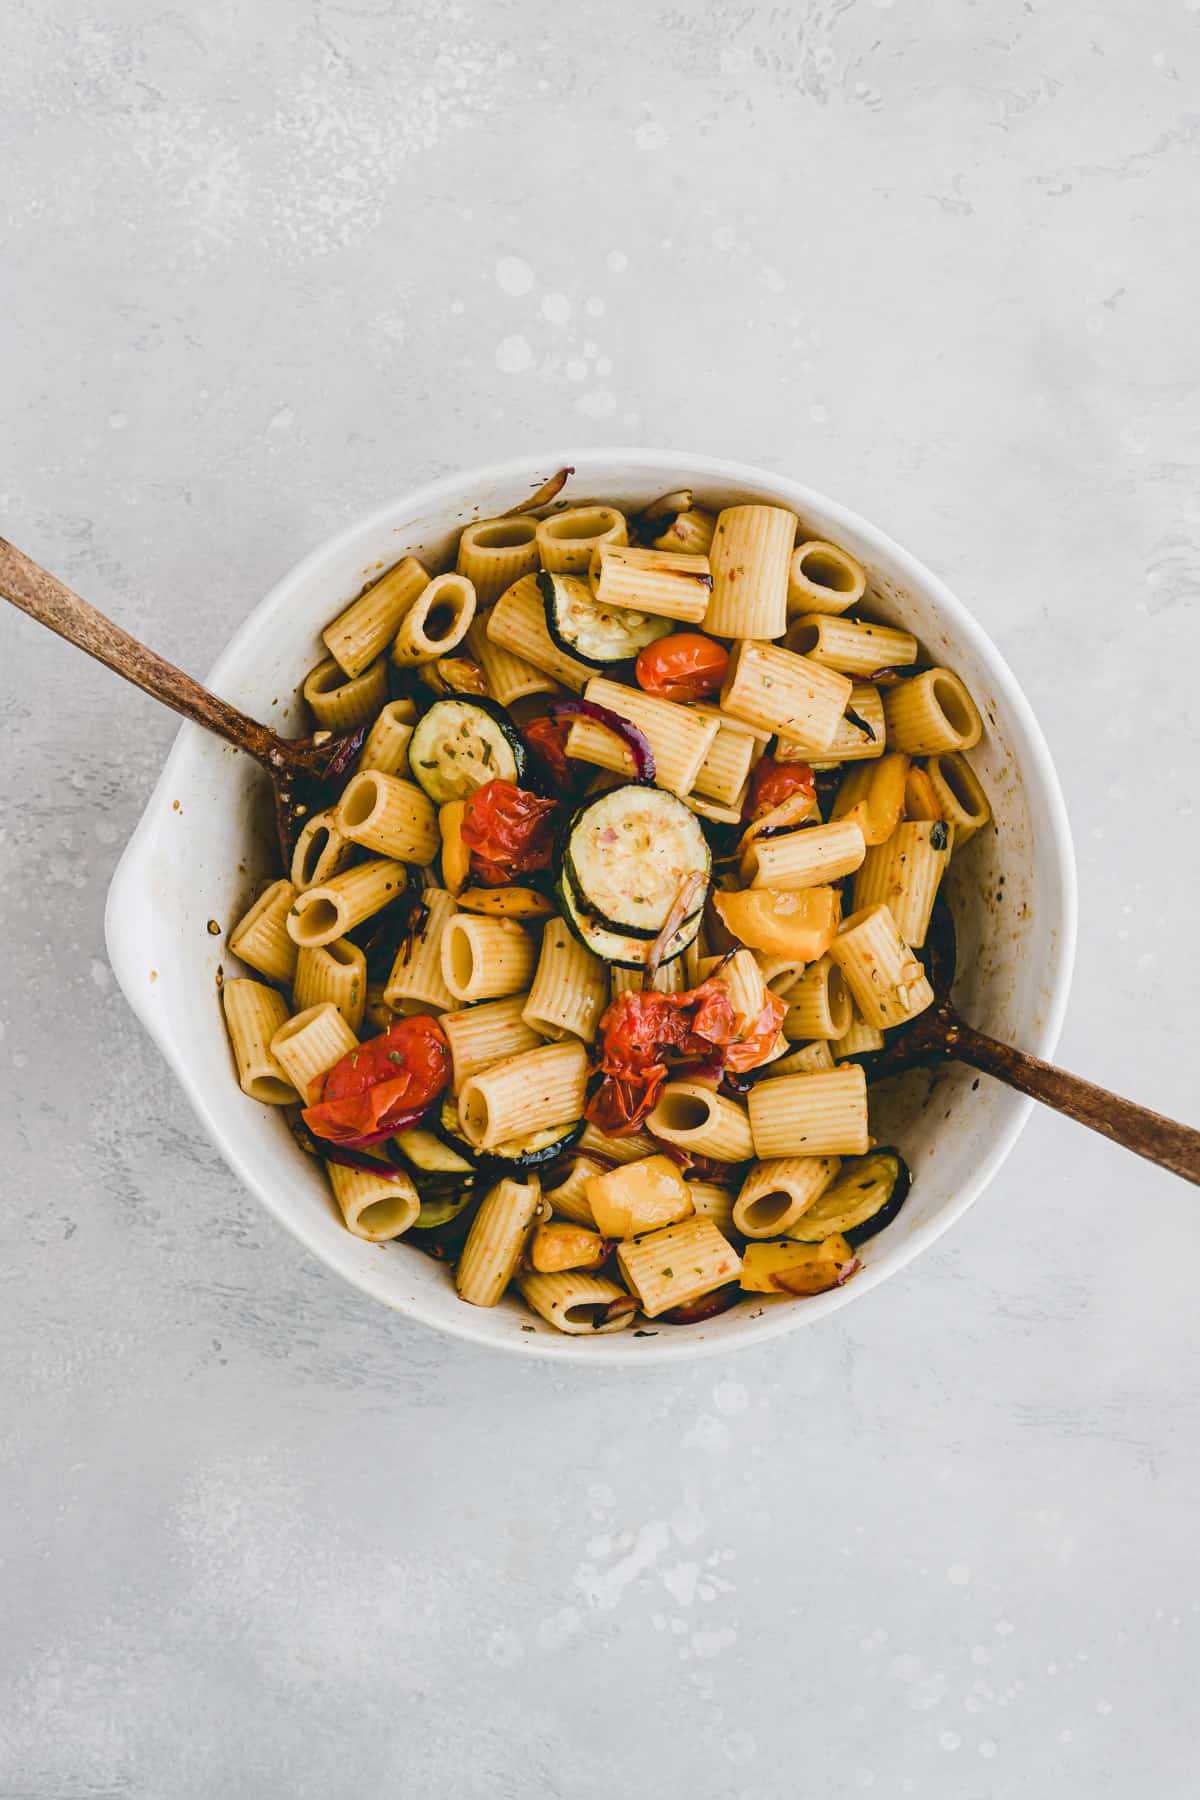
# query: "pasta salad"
575,980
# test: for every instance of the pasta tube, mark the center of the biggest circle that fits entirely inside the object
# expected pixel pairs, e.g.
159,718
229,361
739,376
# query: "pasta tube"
904,874
566,539
517,623
713,1202
368,625
338,704
960,795
723,773
481,1035
811,856
810,1115
819,1004
775,1194
416,973
887,981
261,938
858,1039
824,579
484,958
809,1059
321,850
377,1208
694,1116
386,748
779,691
532,1092
861,733
253,1014
569,1199
570,988
931,713
678,1264
665,583
436,622
616,1149
496,1242
335,972
691,530
508,677
679,738
493,553
311,1042
750,556
394,817
576,1303
334,907
854,646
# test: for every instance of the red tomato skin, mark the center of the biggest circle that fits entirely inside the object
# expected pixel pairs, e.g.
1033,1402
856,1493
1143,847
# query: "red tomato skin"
508,831
547,739
774,782
685,666
382,1085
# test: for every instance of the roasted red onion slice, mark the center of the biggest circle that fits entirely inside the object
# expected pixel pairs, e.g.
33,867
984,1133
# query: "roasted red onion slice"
633,738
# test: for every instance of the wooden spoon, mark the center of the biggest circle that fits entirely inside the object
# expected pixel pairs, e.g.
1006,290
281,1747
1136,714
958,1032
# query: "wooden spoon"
298,767
941,1034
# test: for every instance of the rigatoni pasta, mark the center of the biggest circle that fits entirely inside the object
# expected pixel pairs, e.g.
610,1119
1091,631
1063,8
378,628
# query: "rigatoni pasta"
253,1015
750,557
261,937
557,985
368,625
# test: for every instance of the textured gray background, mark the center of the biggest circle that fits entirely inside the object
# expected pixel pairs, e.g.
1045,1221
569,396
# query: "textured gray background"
265,266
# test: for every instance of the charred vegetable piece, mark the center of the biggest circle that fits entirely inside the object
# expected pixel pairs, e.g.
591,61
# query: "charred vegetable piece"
708,1306
788,1267
627,853
460,744
867,1195
597,635
618,947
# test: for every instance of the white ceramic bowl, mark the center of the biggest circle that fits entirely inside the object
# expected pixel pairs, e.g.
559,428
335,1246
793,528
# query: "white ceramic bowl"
205,843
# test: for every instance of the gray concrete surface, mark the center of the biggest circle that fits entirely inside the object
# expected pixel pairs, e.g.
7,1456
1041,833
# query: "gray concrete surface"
264,266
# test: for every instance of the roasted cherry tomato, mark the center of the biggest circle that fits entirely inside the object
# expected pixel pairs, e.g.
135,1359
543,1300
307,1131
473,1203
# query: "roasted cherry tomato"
547,738
774,782
685,666
381,1086
508,831
638,1032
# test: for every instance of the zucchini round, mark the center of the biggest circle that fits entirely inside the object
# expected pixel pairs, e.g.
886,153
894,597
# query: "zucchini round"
439,1211
600,636
426,1154
531,1151
460,743
614,947
627,854
448,1126
867,1195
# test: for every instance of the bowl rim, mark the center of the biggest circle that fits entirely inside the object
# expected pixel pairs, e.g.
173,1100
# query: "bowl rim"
127,901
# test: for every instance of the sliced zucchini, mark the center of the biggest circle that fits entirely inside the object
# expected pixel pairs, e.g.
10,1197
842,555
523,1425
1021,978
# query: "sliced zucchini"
616,947
435,1212
531,1150
426,1154
448,1126
460,744
867,1195
596,635
628,853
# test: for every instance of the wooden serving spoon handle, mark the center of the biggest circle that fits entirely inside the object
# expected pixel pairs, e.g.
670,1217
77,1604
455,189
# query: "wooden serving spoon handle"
1163,1141
52,603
